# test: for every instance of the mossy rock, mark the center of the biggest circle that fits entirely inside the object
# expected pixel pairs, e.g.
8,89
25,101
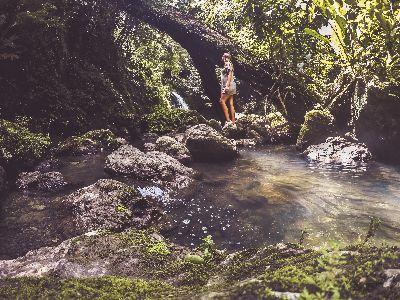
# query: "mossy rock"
165,120
89,143
281,130
20,147
318,125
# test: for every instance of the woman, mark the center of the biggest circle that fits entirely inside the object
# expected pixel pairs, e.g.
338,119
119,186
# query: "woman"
228,90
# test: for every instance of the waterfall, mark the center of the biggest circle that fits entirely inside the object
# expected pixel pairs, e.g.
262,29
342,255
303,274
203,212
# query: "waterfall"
178,101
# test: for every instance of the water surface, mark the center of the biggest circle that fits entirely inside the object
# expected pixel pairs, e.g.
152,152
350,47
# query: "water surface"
271,195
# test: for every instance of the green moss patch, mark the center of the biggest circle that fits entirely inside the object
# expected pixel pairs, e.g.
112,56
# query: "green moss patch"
19,146
90,142
317,126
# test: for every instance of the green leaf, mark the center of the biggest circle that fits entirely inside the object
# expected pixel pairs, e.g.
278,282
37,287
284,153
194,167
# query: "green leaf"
317,35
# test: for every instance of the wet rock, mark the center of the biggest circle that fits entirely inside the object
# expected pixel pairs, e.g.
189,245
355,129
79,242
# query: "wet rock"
2,179
338,150
49,165
207,144
107,204
173,148
156,166
246,143
90,143
286,295
318,125
46,182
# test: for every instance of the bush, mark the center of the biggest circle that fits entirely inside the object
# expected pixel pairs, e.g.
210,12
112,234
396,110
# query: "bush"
20,147
164,119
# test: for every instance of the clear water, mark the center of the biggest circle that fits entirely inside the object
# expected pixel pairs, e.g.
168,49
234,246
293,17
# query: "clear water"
267,196
271,195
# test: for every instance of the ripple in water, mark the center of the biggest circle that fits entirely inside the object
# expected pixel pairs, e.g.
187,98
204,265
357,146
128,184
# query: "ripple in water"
271,195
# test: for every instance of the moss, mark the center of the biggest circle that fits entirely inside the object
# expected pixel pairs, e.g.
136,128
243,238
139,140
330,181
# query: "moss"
19,146
165,119
90,142
317,126
163,272
109,287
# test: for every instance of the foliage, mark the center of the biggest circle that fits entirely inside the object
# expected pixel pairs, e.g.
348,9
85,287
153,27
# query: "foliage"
20,147
165,119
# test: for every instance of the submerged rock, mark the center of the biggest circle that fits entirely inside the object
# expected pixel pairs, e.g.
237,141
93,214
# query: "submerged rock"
208,145
338,150
107,204
46,182
317,126
155,166
173,148
90,143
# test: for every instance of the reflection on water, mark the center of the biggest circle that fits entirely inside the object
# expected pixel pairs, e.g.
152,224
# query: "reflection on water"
272,195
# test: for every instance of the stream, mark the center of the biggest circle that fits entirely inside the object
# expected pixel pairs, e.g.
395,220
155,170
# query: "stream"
268,195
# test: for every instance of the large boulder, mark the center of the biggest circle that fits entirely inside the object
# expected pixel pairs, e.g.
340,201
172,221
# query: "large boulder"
46,182
155,166
338,151
317,126
91,142
107,204
208,145
173,148
378,124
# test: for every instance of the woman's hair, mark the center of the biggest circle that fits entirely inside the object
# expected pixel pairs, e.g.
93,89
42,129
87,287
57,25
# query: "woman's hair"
226,55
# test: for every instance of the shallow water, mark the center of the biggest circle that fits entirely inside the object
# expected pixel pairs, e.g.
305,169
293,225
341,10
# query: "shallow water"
271,195
267,196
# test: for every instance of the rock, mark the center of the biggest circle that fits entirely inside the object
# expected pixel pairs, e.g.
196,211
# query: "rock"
148,147
155,166
3,180
215,124
317,126
246,143
249,127
90,143
337,150
173,148
94,255
286,295
49,165
392,276
208,145
107,204
150,138
378,124
46,182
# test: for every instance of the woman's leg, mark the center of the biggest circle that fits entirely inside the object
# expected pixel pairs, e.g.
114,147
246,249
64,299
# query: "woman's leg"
232,110
222,101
